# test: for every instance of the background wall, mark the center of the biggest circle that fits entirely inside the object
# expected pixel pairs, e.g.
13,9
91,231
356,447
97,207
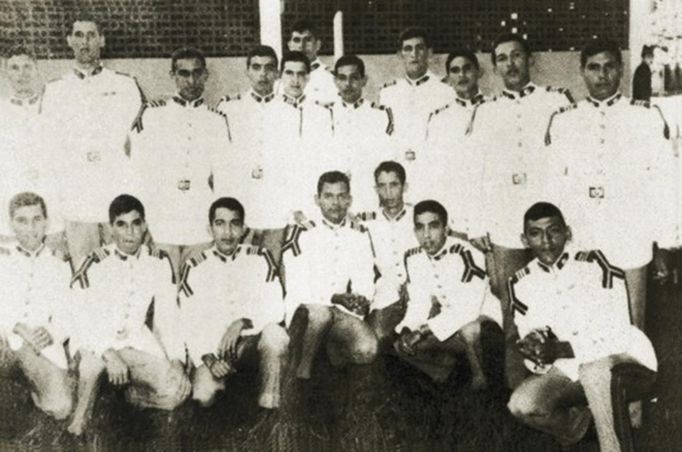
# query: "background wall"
558,69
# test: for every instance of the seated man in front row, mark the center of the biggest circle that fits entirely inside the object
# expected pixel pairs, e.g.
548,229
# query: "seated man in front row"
231,303
34,321
116,286
571,311
448,299
328,269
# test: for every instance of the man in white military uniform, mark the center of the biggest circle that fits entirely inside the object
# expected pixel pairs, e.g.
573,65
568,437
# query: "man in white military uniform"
571,312
279,172
411,99
392,230
362,131
174,147
89,160
26,163
36,299
116,285
304,38
447,289
447,143
231,302
623,167
507,133
329,280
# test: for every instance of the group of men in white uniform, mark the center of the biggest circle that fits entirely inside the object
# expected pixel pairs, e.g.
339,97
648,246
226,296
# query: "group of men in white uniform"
289,254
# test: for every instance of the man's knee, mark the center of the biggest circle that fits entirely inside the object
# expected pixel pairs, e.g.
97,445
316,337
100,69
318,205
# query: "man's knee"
90,366
204,394
274,339
59,407
364,349
317,314
523,405
595,371
471,332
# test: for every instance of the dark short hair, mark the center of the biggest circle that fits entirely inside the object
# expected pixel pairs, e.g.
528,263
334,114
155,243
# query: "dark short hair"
25,199
187,53
464,53
302,25
541,210
598,46
261,51
350,60
85,17
21,49
297,57
123,204
390,166
647,51
414,32
332,177
431,206
226,203
510,37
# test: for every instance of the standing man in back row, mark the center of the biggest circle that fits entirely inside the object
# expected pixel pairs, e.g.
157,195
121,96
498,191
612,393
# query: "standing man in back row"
89,160
513,165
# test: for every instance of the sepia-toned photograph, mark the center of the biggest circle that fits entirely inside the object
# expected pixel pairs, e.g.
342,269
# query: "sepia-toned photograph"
340,225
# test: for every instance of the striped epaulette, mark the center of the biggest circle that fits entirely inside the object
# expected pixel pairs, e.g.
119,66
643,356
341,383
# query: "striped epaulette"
81,275
194,261
564,109
389,113
437,111
516,304
609,271
367,216
648,104
163,255
357,226
565,91
252,250
413,252
229,98
378,106
471,269
640,103
124,74
216,111
155,103
391,83
293,234
327,105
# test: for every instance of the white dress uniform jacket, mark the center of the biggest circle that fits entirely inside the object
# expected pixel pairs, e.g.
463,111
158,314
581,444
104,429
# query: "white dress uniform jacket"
218,289
26,163
174,147
324,259
583,299
362,136
452,177
34,287
87,120
321,87
272,177
411,102
116,291
508,135
392,238
447,290
617,183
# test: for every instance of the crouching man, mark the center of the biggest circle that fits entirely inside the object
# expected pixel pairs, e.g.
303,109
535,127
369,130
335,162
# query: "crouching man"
117,284
34,318
448,299
231,302
571,311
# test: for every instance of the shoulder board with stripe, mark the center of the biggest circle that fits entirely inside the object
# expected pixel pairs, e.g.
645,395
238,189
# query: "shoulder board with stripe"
216,111
56,79
81,275
197,259
378,106
327,105
292,235
367,216
391,83
413,252
581,256
155,103
124,74
357,226
564,109
609,271
640,103
565,91
61,255
471,270
522,273
163,255
228,98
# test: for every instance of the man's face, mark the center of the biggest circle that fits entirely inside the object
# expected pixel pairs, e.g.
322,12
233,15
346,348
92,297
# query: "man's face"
349,82
22,72
431,232
227,229
294,78
304,42
128,231
602,74
86,42
415,55
512,63
262,73
463,76
190,78
334,201
390,190
29,225
546,238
